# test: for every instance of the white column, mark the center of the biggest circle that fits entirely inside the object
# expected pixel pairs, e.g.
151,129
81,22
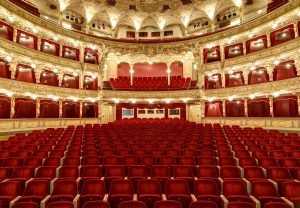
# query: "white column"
60,50
38,104
223,78
297,64
242,14
224,107
187,67
271,106
245,75
12,107
169,73
15,33
37,73
100,80
244,48
60,78
131,71
60,108
269,69
246,106
80,109
268,39
212,24
39,42
298,101
222,53
112,68
81,54
13,69
296,29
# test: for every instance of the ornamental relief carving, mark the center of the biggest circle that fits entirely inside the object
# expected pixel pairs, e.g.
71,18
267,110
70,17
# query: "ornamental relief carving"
71,36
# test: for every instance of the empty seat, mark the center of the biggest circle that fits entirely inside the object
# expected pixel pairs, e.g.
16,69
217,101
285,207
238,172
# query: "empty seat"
207,190
230,172
25,205
149,191
70,160
132,204
241,205
265,191
96,204
8,191
186,173
45,172
161,173
178,189
112,173
120,190
136,173
254,173
52,161
168,204
203,204
268,162
64,190
291,191
92,190
69,171
277,205
60,204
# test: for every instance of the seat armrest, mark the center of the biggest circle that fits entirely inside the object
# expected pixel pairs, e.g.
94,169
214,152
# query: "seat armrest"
75,201
242,171
257,203
288,201
265,171
225,201
28,181
221,182
164,197
248,185
193,198
102,178
61,161
78,179
44,201
57,171
237,161
11,203
105,198
52,185
275,184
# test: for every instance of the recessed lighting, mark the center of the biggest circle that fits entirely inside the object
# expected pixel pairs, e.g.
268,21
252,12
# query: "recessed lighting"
276,62
8,58
274,25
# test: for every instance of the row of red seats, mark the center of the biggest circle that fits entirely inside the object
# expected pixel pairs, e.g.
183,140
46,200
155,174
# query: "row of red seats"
150,83
204,142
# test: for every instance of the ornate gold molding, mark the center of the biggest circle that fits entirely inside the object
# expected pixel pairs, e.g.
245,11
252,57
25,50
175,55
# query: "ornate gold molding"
13,125
263,89
268,123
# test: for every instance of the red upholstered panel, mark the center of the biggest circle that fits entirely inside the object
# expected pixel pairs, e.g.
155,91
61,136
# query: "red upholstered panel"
25,73
285,106
259,107
123,70
150,70
27,39
276,4
256,44
119,107
4,107
176,68
70,109
90,56
282,35
258,76
49,109
212,54
235,108
27,6
233,50
285,70
214,109
90,83
70,53
89,110
70,81
50,47
49,78
6,31
234,80
25,108
4,69
213,82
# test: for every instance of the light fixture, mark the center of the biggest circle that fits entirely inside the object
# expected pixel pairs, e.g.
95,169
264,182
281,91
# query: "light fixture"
11,19
55,38
34,30
274,25
211,99
260,11
33,66
34,97
252,96
252,68
150,101
276,62
195,66
276,94
8,58
230,98
250,35
116,100
131,71
230,72
55,70
9,94
150,62
185,100
93,47
168,70
238,102
288,65
133,101
75,74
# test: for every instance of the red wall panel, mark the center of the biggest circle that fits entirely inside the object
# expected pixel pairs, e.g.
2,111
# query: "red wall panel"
70,53
6,31
49,78
233,50
50,47
256,77
49,109
25,108
90,83
234,82
89,110
285,106
4,107
256,44
27,39
4,69
282,35
214,109
25,73
70,81
259,107
235,108
285,70
70,109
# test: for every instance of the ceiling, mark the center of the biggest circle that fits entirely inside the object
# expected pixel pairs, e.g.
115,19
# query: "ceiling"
143,13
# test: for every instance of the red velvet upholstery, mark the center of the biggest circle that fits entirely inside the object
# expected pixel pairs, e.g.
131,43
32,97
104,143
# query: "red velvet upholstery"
50,47
259,75
26,5
90,83
235,79
282,35
213,82
285,106
4,107
25,73
25,108
6,31
70,81
233,50
90,56
276,4
89,110
49,109
211,54
27,39
256,44
259,107
235,108
48,77
4,69
70,53
214,109
284,70
70,109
